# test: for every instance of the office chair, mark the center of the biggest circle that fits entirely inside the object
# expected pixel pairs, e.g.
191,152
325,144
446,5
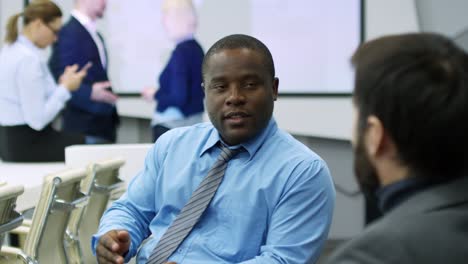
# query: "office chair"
44,243
9,218
102,182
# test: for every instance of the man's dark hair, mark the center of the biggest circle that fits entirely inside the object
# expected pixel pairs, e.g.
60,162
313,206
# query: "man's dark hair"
417,85
239,41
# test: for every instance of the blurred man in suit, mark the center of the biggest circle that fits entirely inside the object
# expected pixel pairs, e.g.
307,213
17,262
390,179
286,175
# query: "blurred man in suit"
411,149
91,110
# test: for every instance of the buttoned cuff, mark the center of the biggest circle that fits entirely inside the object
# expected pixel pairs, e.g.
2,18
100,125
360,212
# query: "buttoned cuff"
63,93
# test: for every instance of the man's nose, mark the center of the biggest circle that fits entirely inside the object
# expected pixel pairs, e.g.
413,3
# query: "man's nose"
236,96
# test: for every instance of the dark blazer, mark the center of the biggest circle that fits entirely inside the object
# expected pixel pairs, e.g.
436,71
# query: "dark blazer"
75,45
430,227
180,81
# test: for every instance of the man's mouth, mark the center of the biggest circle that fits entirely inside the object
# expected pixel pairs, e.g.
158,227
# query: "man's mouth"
236,117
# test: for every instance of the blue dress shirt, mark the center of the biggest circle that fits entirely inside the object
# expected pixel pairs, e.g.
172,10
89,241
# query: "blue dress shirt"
28,93
274,204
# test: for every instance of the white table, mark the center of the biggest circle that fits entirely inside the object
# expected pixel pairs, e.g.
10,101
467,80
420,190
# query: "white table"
31,176
133,154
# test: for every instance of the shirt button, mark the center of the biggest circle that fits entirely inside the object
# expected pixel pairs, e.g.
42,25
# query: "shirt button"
179,250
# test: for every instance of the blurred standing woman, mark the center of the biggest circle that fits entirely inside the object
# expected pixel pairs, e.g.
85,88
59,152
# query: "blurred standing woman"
29,97
180,95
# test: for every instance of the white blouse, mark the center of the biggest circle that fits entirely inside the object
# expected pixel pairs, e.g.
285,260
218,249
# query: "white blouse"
28,92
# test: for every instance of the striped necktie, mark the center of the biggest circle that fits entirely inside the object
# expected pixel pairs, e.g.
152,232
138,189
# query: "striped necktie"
192,211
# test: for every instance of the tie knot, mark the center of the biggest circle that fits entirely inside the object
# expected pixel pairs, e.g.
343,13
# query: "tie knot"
227,154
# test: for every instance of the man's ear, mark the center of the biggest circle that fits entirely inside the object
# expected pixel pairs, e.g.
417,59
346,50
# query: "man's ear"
275,88
373,137
378,141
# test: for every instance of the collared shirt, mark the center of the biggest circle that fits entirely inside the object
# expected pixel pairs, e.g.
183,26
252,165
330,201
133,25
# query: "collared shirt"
394,194
91,28
274,204
28,93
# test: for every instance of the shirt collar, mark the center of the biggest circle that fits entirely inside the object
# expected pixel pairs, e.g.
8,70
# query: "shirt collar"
84,20
394,194
251,146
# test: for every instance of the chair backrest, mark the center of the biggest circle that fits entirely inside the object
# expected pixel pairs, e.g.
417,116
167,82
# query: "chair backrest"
134,155
100,184
9,218
60,196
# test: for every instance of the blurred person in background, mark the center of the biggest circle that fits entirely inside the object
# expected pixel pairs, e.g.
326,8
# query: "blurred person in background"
91,110
29,97
179,95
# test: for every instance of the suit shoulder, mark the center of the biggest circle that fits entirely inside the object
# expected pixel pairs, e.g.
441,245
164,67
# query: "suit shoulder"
71,27
189,47
375,245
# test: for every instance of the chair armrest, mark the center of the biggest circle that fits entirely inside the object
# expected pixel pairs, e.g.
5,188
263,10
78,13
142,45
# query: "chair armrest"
27,222
61,205
107,189
12,223
21,230
12,253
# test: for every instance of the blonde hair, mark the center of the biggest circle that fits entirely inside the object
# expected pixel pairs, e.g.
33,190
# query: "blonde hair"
177,4
181,15
44,10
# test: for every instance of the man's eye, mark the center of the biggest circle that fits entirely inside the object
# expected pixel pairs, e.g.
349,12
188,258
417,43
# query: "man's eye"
218,87
250,84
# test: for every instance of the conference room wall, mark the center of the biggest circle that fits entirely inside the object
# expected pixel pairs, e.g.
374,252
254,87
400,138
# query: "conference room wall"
333,114
7,9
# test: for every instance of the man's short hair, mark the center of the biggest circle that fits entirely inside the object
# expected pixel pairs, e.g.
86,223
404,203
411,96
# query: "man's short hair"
238,41
417,85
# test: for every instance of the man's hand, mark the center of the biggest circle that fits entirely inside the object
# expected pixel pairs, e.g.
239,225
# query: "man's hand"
100,93
71,77
112,246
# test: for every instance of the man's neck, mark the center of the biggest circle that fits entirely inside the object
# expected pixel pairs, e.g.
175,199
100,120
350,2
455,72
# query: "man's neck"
390,172
84,20
83,12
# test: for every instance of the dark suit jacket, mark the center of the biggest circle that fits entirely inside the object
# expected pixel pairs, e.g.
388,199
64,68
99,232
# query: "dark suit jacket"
429,227
180,81
75,45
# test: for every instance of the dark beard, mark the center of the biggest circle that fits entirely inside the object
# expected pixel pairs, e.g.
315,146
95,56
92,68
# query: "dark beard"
365,172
